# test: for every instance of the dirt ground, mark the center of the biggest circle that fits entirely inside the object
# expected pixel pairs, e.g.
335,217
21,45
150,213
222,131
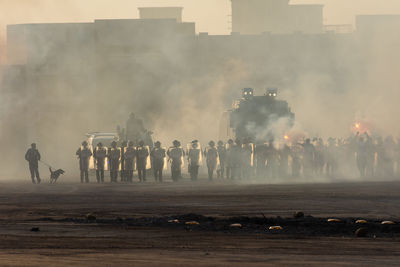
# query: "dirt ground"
131,224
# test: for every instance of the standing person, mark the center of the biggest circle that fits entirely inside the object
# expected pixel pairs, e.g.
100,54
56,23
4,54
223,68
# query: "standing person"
362,156
261,159
247,152
211,154
284,154
130,154
113,157
84,155
175,155
100,155
142,153
229,159
194,155
123,172
157,160
272,160
237,159
33,157
331,157
308,158
222,159
296,155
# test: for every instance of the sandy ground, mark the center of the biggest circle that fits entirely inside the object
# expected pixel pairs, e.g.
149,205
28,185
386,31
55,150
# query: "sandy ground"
125,234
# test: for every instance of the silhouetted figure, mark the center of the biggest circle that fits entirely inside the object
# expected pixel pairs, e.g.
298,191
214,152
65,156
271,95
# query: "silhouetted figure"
175,155
211,154
362,156
33,157
284,154
194,155
229,159
142,153
134,128
99,156
114,155
331,158
272,160
247,152
157,160
308,158
319,162
296,155
84,155
130,154
261,160
123,163
237,159
222,159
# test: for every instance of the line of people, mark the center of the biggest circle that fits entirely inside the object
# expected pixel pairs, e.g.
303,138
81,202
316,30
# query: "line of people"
241,159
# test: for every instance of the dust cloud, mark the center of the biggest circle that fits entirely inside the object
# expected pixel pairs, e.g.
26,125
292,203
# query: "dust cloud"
182,85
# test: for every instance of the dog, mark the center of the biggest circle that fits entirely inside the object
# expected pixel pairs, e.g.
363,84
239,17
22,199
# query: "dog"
54,175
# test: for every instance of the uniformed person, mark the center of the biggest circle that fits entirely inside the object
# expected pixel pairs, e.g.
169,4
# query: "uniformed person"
84,155
194,155
114,156
308,158
157,161
33,157
123,169
261,159
175,154
237,159
247,151
99,156
142,153
229,159
130,154
222,159
284,154
211,154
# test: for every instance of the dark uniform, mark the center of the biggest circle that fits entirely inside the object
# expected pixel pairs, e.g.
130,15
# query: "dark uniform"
211,154
229,159
284,154
308,158
222,159
247,151
157,160
33,157
194,154
237,160
175,155
123,169
99,156
261,159
130,154
114,155
142,154
84,155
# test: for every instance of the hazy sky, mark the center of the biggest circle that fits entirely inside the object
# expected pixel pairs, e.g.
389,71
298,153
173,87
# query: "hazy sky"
210,15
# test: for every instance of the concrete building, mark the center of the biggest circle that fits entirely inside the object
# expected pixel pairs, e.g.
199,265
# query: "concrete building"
161,13
275,16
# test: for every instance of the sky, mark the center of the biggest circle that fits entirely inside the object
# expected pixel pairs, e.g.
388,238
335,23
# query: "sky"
212,16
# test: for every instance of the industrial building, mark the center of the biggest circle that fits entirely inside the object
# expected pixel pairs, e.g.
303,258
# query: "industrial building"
275,16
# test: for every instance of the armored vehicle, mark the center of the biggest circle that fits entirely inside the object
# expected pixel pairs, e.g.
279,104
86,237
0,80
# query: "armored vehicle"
259,118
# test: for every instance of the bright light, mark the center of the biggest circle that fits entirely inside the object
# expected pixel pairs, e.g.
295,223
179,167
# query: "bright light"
357,125
286,137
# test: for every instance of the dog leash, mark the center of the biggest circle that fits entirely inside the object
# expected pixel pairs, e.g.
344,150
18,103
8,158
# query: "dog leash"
48,165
